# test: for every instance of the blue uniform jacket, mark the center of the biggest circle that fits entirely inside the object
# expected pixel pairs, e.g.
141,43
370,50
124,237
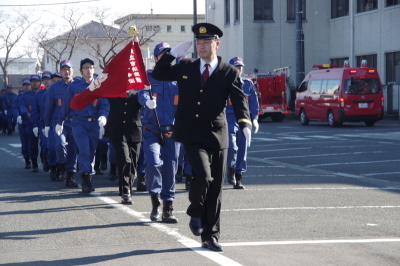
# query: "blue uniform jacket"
54,100
37,108
8,101
26,104
97,108
167,102
250,91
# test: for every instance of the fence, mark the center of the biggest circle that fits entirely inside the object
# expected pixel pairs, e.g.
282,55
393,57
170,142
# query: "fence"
392,101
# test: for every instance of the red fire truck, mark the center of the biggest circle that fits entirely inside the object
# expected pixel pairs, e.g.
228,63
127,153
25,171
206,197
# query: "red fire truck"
273,94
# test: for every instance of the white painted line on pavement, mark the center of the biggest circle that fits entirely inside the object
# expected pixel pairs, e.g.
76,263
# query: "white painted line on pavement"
342,163
389,173
302,242
16,145
188,242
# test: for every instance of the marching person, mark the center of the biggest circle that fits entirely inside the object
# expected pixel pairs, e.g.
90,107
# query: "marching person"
64,145
237,151
160,150
200,124
26,86
124,130
87,124
8,100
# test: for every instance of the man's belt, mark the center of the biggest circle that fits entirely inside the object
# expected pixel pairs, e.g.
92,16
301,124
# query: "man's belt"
89,119
165,135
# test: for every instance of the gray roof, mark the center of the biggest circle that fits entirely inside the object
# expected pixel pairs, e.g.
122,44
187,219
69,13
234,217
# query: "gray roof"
156,16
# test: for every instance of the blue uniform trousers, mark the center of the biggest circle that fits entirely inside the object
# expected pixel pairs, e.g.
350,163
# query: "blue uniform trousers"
9,119
65,147
237,151
112,157
233,129
161,165
102,148
24,140
33,141
184,161
141,164
86,135
43,144
51,147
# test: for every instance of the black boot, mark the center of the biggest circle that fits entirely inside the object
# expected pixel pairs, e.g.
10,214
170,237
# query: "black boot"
155,202
87,183
112,175
61,176
230,175
27,162
53,172
97,168
141,183
35,167
238,184
167,215
103,162
188,178
70,182
46,166
179,174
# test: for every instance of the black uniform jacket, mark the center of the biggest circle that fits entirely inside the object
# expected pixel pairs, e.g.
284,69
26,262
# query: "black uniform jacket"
200,117
123,121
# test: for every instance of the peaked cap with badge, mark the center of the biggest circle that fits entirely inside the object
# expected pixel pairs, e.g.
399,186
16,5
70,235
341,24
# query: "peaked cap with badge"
206,31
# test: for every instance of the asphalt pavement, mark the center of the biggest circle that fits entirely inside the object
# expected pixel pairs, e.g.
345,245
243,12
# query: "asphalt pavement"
314,195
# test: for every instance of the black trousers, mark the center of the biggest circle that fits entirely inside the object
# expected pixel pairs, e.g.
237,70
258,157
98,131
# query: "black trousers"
127,154
205,195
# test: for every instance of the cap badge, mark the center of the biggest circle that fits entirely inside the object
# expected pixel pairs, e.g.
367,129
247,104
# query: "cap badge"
203,30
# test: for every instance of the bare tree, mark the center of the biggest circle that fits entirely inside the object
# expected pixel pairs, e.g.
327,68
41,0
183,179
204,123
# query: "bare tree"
12,27
62,46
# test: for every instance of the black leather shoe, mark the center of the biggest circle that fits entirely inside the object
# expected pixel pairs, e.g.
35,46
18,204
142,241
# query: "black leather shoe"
126,199
195,226
213,245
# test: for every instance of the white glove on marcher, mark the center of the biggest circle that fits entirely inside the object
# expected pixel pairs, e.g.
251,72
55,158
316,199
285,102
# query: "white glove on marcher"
181,49
35,131
19,120
5,112
96,83
59,129
255,125
152,104
102,121
46,131
101,133
247,134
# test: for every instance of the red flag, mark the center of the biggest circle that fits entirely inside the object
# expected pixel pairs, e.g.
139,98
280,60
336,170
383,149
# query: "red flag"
124,72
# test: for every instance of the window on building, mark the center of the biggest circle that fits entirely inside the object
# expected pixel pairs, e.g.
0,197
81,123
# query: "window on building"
339,61
392,2
366,5
227,12
371,60
339,8
291,9
263,10
183,28
237,10
393,67
152,28
169,28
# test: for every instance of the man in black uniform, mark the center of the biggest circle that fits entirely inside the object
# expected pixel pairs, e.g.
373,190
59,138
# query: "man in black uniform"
124,129
200,123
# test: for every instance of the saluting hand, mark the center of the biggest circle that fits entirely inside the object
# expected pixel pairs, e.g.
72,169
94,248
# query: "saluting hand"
181,49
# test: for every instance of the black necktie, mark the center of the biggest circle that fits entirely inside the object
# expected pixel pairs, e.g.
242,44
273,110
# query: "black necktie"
206,73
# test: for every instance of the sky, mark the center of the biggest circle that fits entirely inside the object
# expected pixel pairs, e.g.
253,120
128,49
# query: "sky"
48,9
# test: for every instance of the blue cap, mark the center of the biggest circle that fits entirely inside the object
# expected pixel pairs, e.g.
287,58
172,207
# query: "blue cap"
26,81
3,89
160,47
77,78
236,61
86,60
56,74
179,59
36,77
64,63
21,90
46,74
9,86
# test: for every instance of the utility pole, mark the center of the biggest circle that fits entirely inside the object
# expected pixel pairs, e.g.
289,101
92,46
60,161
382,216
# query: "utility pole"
299,43
194,23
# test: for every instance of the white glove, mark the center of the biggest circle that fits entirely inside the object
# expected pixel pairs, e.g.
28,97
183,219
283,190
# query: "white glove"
46,131
19,120
247,134
35,131
101,133
181,49
5,112
96,83
255,125
152,104
102,121
59,129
